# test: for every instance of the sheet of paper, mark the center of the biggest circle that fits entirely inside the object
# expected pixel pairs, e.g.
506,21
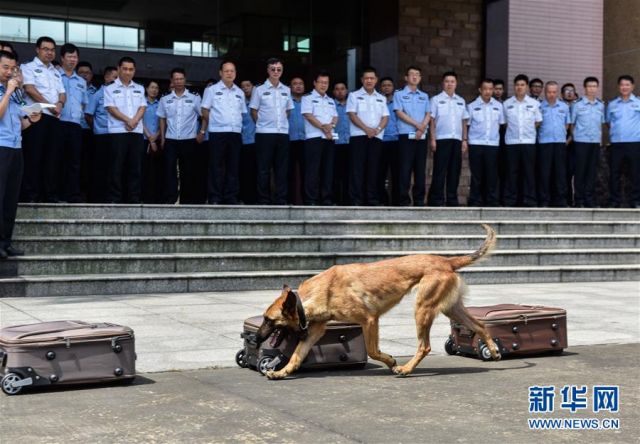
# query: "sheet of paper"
36,108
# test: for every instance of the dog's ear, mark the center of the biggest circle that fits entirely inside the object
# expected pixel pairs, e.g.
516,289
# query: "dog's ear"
285,289
290,303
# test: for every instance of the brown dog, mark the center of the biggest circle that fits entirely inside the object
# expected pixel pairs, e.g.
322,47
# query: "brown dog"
361,293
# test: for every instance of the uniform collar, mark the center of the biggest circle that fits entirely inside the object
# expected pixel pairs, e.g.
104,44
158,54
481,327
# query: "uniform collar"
184,95
155,102
221,85
315,93
482,102
365,93
268,84
407,90
444,94
119,83
73,75
39,62
545,102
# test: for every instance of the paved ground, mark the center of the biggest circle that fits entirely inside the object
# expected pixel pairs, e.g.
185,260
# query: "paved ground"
192,331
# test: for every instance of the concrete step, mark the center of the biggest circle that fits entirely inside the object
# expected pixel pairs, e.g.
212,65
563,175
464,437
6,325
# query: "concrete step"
224,262
205,212
128,227
108,284
205,244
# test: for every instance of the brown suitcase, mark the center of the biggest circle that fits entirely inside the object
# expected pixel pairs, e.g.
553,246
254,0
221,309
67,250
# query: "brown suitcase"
516,329
341,346
65,352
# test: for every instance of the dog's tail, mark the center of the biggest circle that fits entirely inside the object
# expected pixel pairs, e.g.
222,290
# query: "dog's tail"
484,250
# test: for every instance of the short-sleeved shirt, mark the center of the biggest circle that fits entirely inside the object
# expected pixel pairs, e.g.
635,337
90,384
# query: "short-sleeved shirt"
248,127
97,110
415,104
226,106
555,119
521,117
323,108
624,118
448,112
91,90
182,114
587,118
128,100
150,119
342,127
391,130
484,122
10,125
370,109
46,79
272,104
77,98
296,121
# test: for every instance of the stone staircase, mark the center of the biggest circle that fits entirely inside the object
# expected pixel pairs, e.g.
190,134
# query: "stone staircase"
127,249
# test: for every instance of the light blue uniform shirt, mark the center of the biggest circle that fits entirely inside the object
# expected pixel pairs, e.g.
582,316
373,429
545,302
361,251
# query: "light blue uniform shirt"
555,119
272,103
226,106
77,98
484,122
97,110
342,127
91,90
587,119
150,119
323,108
413,103
296,121
521,118
448,112
182,114
624,118
10,125
391,130
248,128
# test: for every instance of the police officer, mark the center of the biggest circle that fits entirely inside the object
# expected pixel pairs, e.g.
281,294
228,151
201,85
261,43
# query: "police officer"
12,122
296,143
125,102
522,116
341,166
587,118
535,89
85,70
43,84
270,107
498,90
97,117
248,154
152,161
71,120
448,141
412,108
552,153
623,116
222,109
369,115
388,173
569,96
319,111
486,116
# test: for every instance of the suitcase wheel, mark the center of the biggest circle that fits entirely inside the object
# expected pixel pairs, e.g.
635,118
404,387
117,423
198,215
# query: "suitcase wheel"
241,358
449,346
267,363
485,353
7,383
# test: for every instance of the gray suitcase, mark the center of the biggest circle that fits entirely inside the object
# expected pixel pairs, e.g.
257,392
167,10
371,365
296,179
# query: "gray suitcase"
65,352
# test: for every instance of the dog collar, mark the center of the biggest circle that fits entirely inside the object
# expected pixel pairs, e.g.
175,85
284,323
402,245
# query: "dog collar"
302,317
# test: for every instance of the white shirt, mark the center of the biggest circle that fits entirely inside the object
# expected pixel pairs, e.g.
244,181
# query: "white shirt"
226,107
46,79
370,109
272,103
484,122
448,112
521,118
322,108
128,100
181,113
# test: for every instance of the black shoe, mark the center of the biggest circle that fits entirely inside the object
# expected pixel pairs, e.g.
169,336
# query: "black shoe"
3,254
11,251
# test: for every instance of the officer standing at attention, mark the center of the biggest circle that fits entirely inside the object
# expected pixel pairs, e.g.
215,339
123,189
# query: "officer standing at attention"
623,116
71,120
587,119
296,143
341,167
388,172
569,96
485,119
222,110
319,111
552,148
522,115
270,107
412,108
448,141
124,100
97,118
152,168
248,154
43,84
369,115
12,122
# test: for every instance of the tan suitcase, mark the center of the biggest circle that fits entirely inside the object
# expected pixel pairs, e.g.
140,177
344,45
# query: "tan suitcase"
65,352
516,329
341,346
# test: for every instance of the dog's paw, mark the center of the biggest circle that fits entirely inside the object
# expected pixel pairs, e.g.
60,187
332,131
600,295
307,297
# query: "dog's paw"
497,356
400,371
275,375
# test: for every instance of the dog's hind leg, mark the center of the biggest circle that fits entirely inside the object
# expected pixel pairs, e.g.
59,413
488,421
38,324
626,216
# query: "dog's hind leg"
458,312
316,330
371,339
